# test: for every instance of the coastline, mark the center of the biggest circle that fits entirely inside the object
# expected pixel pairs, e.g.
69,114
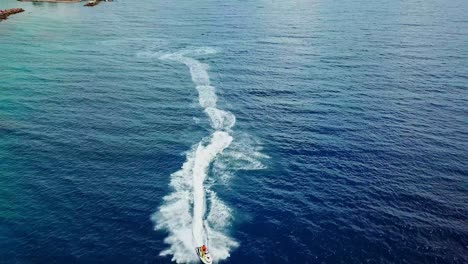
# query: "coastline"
4,14
52,1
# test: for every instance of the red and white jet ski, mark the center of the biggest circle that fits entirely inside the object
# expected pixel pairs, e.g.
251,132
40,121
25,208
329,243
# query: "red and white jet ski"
204,255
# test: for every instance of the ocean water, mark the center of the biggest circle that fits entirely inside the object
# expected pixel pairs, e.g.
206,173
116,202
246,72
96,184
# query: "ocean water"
295,131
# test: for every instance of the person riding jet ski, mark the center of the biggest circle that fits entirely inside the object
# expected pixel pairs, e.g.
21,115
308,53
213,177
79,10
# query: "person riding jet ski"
204,255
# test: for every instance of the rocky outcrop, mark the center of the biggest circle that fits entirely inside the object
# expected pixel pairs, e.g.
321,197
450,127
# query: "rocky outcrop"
5,13
92,3
52,1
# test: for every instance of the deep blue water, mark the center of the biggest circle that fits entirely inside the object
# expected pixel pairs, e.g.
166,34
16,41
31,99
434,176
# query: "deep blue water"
350,143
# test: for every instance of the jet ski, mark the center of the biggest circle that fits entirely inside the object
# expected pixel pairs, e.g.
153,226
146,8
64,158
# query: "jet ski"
204,255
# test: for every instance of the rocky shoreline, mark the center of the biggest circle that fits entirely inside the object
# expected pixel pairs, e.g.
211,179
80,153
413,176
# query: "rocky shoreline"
52,1
92,3
4,14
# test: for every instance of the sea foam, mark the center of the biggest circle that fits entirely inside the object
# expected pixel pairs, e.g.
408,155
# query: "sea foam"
184,213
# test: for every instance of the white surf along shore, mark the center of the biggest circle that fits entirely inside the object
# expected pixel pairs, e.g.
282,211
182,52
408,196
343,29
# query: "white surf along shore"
184,213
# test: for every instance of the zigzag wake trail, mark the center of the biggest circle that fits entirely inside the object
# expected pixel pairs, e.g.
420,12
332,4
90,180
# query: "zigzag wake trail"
183,213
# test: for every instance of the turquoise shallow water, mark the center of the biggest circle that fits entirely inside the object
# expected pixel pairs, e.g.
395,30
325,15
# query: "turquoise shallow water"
349,146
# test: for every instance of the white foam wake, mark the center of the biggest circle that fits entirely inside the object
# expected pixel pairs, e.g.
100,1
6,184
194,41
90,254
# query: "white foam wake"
184,212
